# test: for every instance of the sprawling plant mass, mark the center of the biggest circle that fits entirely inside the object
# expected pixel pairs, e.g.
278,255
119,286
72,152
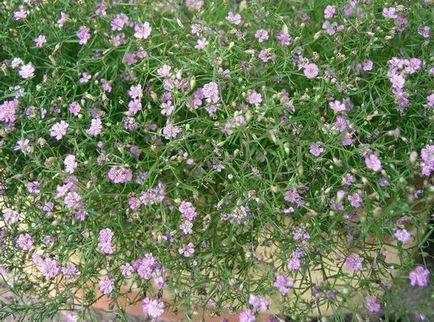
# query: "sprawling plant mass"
216,151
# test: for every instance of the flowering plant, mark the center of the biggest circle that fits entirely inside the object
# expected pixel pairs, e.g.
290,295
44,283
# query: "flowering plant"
222,152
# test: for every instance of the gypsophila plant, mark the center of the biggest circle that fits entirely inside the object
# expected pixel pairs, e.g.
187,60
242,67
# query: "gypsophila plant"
222,152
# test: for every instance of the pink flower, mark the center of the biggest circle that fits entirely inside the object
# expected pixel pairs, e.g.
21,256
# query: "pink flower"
354,263
142,31
120,174
283,284
329,12
259,303
152,308
261,35
40,41
72,200
62,19
211,92
119,21
27,71
170,131
372,304
95,127
24,241
402,235
8,110
316,149
106,285
74,108
10,216
58,130
419,276
389,13
233,18
254,98
373,162
83,35
201,43
136,92
337,106
284,38
70,163
311,70
247,316
194,4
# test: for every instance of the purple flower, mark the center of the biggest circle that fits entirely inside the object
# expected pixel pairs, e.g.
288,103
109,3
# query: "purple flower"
354,263
8,110
311,70
283,283
337,106
83,35
372,304
40,41
58,130
389,13
106,285
69,270
170,131
126,270
419,276
10,216
266,55
424,31
355,200
187,250
329,12
70,163
105,241
201,43
373,162
187,209
427,163
74,108
152,308
261,35
120,174
49,267
233,18
284,38
430,100
72,200
211,92
119,21
316,149
259,303
24,241
142,31
27,71
247,316
254,98
402,235
294,263
61,21
95,127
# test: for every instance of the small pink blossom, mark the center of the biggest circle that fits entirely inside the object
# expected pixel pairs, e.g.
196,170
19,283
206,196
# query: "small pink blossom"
27,71
40,41
311,70
254,98
142,31
83,35
152,308
58,130
262,35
